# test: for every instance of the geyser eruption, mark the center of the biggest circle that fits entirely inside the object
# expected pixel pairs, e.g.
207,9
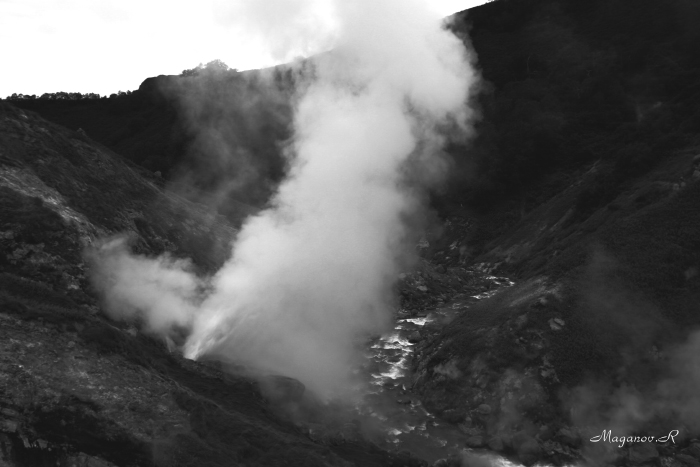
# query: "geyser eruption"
315,271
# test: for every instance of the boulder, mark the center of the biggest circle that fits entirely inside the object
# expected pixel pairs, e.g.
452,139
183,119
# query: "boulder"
519,438
526,447
475,442
529,451
484,409
546,433
453,416
414,337
496,444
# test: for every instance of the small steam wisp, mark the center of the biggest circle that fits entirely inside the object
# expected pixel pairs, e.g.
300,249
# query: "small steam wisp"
315,271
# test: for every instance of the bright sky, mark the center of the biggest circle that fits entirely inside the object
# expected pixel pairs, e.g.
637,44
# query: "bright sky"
105,46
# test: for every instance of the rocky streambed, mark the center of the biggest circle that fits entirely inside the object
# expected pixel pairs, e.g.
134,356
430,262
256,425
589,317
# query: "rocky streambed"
478,378
391,402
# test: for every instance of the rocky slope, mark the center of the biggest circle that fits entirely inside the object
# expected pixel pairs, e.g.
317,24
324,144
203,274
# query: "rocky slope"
79,390
581,186
599,333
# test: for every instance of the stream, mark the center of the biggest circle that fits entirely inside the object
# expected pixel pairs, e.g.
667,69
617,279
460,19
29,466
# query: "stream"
396,411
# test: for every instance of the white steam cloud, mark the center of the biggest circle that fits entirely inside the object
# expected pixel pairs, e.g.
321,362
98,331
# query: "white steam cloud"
163,292
314,272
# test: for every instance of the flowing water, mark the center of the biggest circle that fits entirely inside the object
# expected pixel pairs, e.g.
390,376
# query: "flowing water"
398,415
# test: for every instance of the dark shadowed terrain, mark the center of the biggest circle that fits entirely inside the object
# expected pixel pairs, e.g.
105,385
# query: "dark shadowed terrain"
581,185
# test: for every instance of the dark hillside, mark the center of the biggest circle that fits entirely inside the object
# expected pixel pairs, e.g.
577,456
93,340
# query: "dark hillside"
217,134
588,158
572,83
582,184
567,84
78,389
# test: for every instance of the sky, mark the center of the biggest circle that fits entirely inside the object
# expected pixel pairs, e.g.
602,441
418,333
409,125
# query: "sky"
105,46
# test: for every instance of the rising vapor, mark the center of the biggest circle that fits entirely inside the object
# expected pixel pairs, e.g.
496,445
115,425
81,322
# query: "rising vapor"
315,271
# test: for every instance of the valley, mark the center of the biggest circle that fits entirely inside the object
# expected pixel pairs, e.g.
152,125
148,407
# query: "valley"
545,290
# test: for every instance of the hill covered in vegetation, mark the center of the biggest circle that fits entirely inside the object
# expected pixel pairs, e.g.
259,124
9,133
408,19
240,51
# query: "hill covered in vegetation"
582,183
564,85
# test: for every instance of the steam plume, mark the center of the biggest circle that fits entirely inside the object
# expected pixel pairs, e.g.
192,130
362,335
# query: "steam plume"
315,271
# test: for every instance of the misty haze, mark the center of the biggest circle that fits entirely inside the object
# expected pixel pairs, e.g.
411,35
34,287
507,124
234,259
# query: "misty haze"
398,239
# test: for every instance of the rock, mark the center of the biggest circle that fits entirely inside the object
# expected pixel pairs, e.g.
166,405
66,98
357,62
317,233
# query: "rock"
453,416
403,400
519,438
8,412
546,433
569,437
484,409
526,447
8,426
440,463
642,453
529,451
475,442
414,337
496,444
470,431
507,441
422,288
556,324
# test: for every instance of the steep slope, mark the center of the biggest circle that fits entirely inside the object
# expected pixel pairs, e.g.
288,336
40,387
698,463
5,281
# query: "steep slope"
564,86
205,131
600,333
78,389
581,184
569,84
